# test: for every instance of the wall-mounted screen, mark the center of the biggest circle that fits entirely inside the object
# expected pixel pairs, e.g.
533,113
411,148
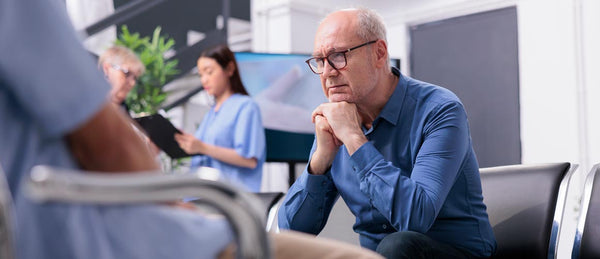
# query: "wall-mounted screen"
284,88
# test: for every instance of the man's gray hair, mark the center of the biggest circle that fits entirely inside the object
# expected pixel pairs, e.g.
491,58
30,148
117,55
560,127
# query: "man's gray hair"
370,25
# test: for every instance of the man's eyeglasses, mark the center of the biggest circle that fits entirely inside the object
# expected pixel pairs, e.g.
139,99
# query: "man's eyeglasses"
337,60
126,72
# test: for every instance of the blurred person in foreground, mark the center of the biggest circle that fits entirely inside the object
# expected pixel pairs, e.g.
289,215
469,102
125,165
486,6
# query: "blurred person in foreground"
60,116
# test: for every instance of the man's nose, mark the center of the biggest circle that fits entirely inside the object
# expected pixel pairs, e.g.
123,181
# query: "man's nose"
329,70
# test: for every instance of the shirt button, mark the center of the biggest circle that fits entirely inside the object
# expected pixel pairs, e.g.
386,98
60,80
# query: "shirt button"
323,183
384,226
354,168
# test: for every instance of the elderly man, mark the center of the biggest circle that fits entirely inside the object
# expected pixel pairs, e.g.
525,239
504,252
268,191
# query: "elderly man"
396,149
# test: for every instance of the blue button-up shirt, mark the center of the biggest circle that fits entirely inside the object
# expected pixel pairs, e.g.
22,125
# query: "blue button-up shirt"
417,172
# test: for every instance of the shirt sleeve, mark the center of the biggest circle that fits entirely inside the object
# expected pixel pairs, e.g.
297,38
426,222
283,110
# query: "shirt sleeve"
249,137
308,202
45,66
414,203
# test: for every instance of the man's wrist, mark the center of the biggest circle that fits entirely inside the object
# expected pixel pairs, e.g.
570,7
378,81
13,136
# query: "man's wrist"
354,142
317,167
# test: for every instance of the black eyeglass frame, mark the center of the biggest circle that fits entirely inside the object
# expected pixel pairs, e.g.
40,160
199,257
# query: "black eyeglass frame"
334,53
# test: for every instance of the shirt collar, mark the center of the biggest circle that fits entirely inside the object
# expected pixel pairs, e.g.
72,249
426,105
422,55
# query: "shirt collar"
391,110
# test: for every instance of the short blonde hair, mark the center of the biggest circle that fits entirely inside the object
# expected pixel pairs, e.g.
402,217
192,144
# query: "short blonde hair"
119,55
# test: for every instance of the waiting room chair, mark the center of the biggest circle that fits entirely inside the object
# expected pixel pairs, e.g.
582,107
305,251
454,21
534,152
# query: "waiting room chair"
587,236
6,220
270,200
525,204
243,210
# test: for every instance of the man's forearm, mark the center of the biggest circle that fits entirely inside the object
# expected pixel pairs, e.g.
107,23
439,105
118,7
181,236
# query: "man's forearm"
308,203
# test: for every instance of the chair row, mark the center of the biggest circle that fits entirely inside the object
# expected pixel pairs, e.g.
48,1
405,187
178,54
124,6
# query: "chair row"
526,203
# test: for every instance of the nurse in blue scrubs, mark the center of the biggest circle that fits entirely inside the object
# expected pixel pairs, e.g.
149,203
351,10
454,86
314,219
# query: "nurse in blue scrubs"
231,137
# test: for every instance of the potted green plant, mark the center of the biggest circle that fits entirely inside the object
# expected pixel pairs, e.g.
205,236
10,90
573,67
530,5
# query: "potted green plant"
148,96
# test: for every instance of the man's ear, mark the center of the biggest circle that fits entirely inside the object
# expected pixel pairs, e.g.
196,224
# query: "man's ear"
381,53
230,69
105,67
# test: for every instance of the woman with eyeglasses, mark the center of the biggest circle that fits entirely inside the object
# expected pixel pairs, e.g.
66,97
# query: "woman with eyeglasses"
121,68
231,137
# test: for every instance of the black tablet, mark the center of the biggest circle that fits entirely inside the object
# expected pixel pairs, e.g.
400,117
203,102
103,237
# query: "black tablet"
162,133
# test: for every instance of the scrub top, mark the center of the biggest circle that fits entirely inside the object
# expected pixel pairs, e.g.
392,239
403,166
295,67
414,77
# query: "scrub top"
237,125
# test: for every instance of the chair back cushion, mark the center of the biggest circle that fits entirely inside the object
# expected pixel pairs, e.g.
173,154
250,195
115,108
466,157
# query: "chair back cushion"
6,223
521,200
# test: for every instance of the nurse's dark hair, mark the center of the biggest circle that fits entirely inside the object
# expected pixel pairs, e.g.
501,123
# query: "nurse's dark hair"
223,55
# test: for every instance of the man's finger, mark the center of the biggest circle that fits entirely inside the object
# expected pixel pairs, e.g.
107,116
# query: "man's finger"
321,121
317,111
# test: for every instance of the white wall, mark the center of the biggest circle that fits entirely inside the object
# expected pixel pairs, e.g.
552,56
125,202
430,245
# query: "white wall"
266,19
549,120
86,13
591,61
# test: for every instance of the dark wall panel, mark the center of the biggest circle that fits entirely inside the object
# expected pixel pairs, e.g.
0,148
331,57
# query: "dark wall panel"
476,56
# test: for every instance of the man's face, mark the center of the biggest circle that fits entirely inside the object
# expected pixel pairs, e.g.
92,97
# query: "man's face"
122,79
353,82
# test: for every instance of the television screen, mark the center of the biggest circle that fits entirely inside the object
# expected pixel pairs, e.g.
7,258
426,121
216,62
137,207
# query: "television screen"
284,88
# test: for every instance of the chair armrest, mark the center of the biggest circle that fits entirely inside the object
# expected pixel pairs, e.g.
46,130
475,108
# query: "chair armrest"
244,211
270,200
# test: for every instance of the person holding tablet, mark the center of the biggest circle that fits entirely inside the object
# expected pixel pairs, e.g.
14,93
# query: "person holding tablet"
231,137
